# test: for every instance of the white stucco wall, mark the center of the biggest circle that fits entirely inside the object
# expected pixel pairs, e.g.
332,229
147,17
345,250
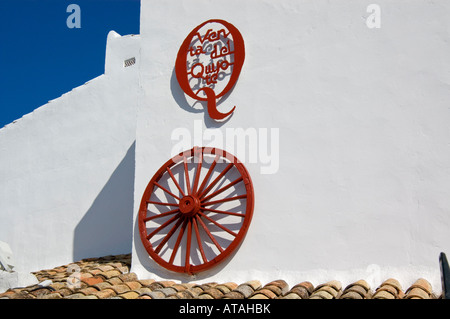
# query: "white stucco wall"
364,154
66,169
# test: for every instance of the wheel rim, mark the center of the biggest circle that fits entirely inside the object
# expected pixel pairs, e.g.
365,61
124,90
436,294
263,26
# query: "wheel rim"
196,210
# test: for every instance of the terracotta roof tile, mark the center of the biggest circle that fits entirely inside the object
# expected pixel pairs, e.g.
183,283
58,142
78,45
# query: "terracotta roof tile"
143,290
53,295
383,294
300,291
306,285
259,296
185,295
417,293
329,290
110,274
88,291
102,285
156,294
85,275
321,294
168,291
120,288
278,287
159,284
291,295
146,282
361,283
245,290
422,285
233,295
421,289
129,295
389,289
104,294
264,292
255,284
213,292
360,291
94,272
39,292
335,294
77,295
127,277
90,281
181,287
115,281
133,285
104,268
227,287
351,295
64,292
394,283
110,278
205,286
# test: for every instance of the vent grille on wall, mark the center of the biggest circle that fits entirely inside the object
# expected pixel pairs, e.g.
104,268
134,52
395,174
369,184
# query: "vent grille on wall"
129,62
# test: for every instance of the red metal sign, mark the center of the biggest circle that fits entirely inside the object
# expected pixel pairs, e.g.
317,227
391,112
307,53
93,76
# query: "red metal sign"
209,62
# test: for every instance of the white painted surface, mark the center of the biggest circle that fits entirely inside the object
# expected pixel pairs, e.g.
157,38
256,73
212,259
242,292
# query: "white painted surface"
364,152
16,279
362,116
6,257
66,169
9,278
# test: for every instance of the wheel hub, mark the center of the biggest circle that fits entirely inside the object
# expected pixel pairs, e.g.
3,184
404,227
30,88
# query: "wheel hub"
189,205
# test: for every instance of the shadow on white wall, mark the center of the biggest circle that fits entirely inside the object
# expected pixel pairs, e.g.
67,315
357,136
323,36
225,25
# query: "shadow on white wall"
106,228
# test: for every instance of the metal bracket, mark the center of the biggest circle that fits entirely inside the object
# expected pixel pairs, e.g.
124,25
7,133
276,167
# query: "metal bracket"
445,276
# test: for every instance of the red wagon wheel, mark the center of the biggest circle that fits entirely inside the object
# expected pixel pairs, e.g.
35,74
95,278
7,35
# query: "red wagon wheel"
196,210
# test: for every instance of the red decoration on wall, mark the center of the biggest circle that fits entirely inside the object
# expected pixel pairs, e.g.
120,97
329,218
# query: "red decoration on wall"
196,210
209,62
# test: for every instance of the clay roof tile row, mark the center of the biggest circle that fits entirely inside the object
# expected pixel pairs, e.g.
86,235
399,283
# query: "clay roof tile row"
109,278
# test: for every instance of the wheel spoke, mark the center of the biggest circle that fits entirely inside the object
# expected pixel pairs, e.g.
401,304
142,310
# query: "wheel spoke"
177,244
167,237
222,189
186,174
224,200
216,180
187,263
219,225
200,246
170,212
209,233
157,230
208,174
175,181
159,203
197,172
166,190
222,212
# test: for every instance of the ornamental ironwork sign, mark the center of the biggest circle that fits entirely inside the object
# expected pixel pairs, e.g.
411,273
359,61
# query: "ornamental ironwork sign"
209,62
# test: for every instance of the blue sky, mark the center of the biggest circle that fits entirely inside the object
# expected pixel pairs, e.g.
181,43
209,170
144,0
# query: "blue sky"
42,58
